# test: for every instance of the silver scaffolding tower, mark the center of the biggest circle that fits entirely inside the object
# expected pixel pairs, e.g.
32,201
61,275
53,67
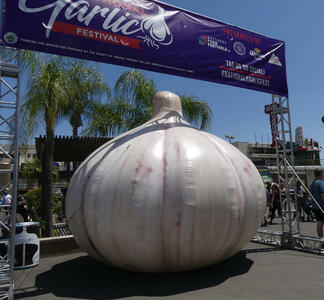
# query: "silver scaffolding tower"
285,161
10,86
289,236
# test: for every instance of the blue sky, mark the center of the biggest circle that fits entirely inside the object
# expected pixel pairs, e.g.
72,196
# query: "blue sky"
237,111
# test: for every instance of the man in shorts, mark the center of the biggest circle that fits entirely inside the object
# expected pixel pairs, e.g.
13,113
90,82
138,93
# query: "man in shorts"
317,190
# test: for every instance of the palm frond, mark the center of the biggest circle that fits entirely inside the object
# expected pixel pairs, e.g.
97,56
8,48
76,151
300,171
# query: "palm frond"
196,111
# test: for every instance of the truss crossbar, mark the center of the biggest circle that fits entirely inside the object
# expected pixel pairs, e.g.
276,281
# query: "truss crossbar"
301,242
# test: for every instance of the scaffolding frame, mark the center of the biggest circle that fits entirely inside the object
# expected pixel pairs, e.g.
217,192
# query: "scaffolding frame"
10,88
290,236
285,158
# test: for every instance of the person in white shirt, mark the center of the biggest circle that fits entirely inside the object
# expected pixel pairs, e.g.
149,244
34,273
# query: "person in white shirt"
7,198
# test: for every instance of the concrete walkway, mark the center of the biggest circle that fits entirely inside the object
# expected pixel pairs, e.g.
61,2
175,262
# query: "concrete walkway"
257,272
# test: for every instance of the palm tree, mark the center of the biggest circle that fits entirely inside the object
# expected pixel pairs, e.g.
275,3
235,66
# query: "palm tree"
45,101
86,86
132,105
58,88
33,169
196,111
107,119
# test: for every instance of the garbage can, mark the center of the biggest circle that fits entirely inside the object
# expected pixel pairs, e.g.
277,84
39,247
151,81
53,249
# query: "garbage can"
27,245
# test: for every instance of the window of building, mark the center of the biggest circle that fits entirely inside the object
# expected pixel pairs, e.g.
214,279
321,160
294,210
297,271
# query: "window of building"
257,150
270,151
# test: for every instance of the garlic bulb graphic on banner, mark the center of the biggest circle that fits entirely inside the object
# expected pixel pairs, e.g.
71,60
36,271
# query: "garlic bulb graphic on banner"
165,196
158,28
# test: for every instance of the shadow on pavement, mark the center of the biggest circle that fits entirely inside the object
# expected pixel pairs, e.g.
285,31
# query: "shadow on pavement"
86,278
268,249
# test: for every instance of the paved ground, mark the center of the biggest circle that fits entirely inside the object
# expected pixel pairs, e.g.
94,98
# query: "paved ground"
257,272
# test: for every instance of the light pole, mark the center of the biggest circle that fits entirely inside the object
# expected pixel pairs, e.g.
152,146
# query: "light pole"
229,137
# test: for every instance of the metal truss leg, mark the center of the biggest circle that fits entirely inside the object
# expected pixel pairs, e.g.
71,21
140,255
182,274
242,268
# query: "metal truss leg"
10,79
285,161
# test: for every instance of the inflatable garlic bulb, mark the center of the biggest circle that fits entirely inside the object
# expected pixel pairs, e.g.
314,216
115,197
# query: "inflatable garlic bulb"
165,196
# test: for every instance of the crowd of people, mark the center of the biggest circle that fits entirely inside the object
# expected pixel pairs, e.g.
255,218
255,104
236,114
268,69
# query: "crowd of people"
309,207
22,210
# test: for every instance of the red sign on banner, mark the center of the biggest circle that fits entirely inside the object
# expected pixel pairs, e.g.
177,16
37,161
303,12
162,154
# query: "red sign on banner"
97,35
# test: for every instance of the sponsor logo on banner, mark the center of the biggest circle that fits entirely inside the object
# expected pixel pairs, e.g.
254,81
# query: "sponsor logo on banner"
239,48
203,40
275,60
256,53
213,42
10,38
243,36
152,30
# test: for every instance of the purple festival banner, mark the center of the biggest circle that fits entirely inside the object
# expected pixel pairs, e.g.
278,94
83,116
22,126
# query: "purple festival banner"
148,35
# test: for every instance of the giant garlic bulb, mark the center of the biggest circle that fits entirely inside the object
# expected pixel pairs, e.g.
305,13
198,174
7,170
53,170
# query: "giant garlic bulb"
165,196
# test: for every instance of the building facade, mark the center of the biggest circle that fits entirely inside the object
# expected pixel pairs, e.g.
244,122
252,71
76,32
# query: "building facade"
307,159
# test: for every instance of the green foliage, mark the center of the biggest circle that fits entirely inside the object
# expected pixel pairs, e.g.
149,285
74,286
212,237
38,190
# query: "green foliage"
132,106
196,111
33,169
46,100
33,201
85,87
57,205
107,119
46,95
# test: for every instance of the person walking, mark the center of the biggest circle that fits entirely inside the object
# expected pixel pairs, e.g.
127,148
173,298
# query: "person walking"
300,195
7,198
275,201
267,192
317,190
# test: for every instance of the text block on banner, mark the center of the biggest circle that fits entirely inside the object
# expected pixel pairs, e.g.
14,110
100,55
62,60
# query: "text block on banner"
148,35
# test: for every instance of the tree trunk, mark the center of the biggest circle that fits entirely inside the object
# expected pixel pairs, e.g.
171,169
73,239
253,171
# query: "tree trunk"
48,182
75,130
75,134
76,122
